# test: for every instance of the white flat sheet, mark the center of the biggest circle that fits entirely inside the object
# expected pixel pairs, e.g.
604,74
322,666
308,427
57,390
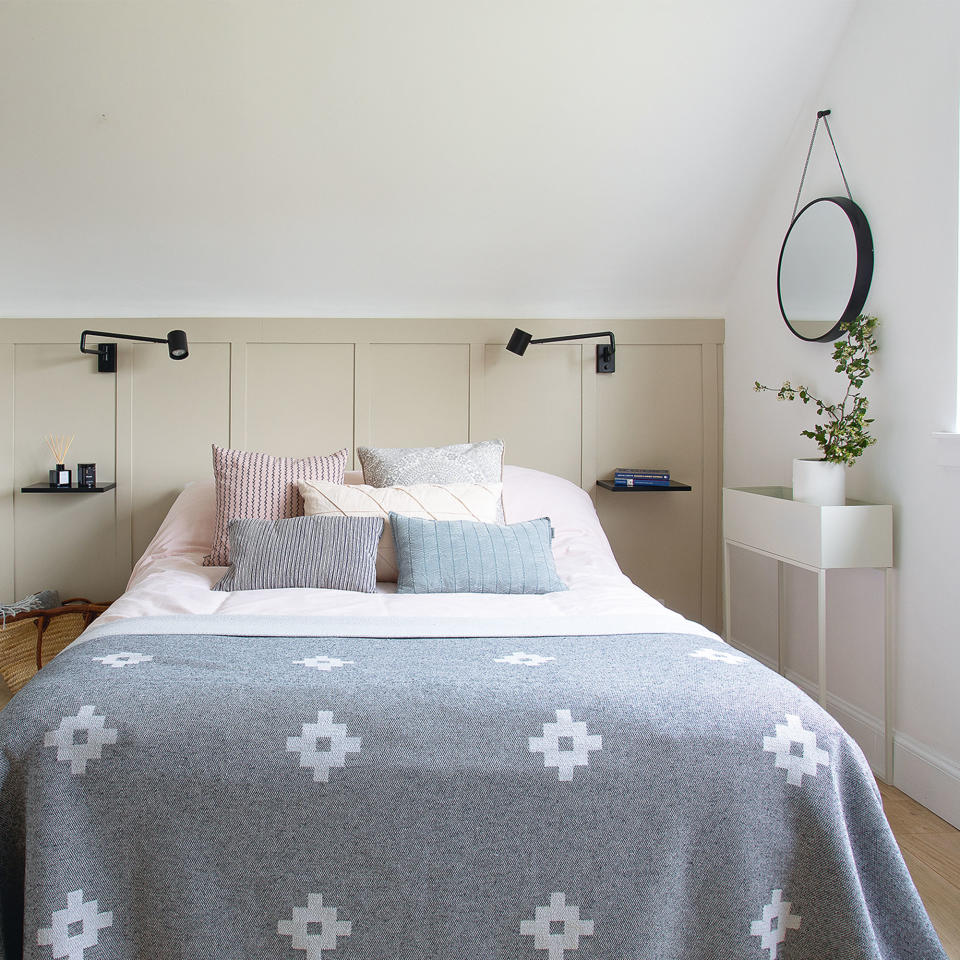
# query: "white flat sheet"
170,581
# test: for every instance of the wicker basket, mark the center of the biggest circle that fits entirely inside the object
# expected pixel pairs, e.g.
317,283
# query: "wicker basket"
30,640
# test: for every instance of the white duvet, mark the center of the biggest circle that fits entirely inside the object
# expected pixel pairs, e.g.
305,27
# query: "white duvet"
170,590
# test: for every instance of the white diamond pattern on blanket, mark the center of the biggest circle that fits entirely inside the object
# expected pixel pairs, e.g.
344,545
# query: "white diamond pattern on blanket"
311,754
80,739
73,945
796,766
777,920
124,659
547,937
555,754
315,913
323,663
521,659
719,656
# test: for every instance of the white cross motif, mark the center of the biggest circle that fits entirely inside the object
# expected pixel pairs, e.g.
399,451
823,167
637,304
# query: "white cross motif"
777,920
78,752
123,659
566,758
520,659
58,935
719,656
323,663
308,744
796,766
546,937
299,927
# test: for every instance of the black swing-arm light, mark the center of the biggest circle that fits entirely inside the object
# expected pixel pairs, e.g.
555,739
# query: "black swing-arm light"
606,362
106,353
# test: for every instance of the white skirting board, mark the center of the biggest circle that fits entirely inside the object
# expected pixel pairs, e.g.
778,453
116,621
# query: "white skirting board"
918,771
928,777
866,729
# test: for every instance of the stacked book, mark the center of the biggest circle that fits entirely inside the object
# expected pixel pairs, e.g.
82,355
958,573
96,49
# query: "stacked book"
641,477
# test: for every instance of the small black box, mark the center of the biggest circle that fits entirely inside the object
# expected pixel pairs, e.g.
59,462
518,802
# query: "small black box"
86,475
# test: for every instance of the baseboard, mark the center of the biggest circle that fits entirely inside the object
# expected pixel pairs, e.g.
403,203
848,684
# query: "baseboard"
921,773
865,728
928,777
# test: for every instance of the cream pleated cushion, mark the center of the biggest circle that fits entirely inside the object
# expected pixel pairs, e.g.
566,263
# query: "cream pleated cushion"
428,501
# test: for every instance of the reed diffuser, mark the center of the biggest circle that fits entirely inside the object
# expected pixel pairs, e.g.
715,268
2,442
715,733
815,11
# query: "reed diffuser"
61,476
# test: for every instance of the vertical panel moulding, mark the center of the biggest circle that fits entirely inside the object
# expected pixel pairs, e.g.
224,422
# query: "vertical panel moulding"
781,618
362,400
238,393
7,517
476,417
123,492
710,492
727,630
889,672
822,636
589,418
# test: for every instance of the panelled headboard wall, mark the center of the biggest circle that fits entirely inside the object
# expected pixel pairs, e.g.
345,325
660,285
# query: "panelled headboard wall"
291,387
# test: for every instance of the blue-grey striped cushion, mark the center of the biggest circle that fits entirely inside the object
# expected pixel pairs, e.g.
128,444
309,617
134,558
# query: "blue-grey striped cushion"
461,556
336,553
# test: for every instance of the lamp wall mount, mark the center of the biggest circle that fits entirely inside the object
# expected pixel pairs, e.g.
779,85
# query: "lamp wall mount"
106,353
606,352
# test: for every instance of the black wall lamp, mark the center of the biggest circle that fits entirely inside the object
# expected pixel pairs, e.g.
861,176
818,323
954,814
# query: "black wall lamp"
520,340
106,353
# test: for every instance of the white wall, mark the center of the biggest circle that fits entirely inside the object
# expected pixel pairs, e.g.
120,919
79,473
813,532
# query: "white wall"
893,86
365,158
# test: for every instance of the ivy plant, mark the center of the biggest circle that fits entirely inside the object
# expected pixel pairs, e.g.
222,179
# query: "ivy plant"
843,433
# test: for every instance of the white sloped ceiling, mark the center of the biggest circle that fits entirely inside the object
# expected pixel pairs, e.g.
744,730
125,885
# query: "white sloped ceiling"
374,157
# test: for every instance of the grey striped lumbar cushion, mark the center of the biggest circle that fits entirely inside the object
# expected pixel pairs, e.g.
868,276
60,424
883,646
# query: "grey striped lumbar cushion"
459,556
336,553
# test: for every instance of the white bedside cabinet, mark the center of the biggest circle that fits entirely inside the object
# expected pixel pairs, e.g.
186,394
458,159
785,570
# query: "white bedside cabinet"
768,521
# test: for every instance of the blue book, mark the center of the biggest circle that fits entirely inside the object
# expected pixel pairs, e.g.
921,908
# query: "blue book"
639,482
653,473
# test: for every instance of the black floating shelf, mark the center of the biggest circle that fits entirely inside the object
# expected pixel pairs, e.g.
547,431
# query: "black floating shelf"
644,487
49,488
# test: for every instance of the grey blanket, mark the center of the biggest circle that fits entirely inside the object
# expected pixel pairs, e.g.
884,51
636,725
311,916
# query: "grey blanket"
624,798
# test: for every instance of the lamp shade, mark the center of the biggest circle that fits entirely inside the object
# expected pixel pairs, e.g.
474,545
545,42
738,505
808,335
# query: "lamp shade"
177,345
519,341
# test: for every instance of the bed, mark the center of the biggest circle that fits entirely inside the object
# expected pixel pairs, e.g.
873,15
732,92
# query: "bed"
321,773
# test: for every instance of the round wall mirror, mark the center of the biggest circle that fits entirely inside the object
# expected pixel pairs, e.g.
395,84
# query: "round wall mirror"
826,264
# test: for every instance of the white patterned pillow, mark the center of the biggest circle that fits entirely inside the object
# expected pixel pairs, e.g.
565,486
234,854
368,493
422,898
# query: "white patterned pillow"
480,462
262,487
429,501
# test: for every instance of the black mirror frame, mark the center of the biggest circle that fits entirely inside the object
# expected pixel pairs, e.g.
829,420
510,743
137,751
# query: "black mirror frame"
864,274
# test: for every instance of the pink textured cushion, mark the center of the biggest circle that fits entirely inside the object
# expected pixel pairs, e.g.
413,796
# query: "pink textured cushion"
257,485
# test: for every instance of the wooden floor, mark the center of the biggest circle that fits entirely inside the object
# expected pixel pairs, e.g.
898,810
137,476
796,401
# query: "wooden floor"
931,848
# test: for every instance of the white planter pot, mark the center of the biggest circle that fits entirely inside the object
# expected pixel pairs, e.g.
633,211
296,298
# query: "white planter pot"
819,481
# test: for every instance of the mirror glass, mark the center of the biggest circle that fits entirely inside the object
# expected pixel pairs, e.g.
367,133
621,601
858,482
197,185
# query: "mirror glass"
826,264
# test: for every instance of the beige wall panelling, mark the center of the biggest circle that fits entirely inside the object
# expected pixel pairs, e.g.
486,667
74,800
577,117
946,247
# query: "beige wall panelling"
533,403
299,398
711,607
651,414
124,453
179,409
7,387
248,382
419,394
477,393
238,394
64,541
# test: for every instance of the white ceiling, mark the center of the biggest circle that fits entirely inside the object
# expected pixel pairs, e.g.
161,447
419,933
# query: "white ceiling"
374,157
